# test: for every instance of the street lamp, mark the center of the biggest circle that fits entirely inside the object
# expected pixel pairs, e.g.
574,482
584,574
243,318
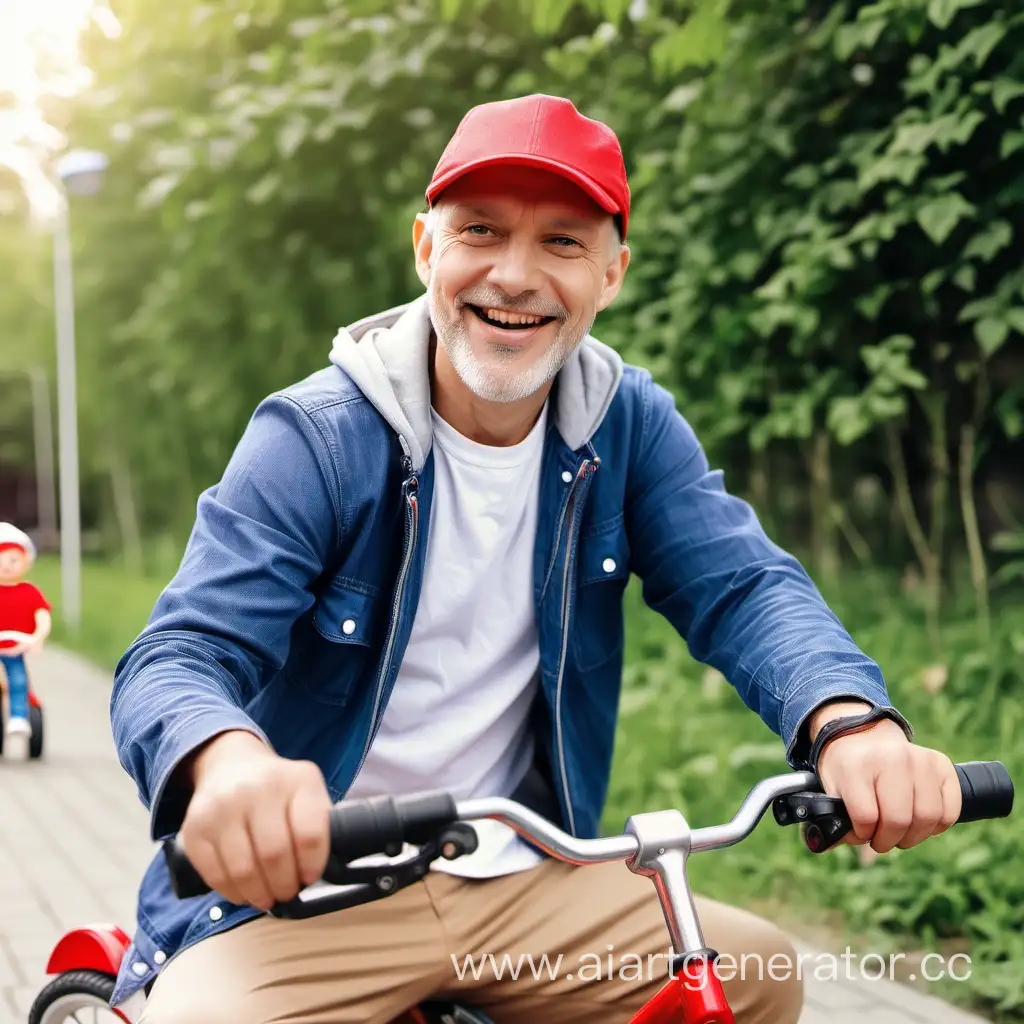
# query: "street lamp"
81,173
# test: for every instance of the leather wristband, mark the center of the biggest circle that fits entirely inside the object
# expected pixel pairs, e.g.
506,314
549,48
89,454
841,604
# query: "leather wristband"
846,725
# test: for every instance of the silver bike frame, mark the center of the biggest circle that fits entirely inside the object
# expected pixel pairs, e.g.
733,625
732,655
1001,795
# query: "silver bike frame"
655,844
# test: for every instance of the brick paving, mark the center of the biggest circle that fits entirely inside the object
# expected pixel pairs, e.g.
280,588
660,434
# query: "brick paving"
74,842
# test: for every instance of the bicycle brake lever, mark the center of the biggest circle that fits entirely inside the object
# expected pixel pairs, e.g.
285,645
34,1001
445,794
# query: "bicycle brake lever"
824,818
454,840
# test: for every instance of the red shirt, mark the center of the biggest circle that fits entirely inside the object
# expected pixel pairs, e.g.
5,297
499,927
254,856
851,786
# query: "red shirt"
19,603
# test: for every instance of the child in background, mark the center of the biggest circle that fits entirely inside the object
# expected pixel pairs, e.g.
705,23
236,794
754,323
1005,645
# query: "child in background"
24,625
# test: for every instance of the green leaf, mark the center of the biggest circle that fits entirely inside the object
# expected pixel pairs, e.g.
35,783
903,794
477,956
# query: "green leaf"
979,308
699,41
987,242
1010,143
857,35
1005,90
1015,318
961,130
902,167
746,264
942,12
991,333
1010,413
966,277
806,176
1005,540
973,858
547,16
885,407
981,41
870,305
1009,573
940,216
614,10
943,131
913,138
847,419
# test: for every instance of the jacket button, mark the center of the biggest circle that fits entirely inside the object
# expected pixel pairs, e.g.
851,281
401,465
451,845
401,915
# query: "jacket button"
348,627
608,565
567,477
140,968
159,956
216,913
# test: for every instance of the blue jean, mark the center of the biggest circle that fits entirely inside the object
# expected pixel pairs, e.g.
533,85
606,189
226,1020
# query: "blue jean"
17,684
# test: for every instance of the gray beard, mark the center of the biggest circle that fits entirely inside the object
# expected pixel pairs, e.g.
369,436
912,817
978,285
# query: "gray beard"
494,379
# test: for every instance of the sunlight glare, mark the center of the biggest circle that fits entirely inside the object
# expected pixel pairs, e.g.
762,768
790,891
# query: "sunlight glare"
40,58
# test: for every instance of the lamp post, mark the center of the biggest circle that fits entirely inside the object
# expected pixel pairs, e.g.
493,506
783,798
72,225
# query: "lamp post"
80,173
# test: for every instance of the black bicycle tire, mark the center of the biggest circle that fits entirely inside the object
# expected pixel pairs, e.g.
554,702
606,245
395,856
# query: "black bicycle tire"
93,983
36,721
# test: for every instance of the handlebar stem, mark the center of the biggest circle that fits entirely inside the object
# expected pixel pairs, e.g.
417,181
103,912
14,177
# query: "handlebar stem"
663,840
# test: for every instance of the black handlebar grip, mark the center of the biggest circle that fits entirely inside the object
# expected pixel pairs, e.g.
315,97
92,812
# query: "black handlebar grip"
987,790
370,826
185,880
358,829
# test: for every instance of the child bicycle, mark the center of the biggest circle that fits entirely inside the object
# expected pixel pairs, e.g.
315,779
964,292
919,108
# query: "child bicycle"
654,844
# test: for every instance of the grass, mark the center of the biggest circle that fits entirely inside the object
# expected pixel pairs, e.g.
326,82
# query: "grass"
115,607
686,741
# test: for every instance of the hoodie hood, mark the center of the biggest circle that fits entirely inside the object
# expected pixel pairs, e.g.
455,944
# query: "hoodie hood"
387,355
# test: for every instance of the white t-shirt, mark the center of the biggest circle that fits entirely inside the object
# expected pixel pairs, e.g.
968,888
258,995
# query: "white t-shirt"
458,716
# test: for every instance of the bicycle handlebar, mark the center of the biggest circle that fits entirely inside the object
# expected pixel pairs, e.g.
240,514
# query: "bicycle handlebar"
383,825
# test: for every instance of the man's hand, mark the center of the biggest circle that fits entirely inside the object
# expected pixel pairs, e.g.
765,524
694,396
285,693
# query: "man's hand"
257,826
896,793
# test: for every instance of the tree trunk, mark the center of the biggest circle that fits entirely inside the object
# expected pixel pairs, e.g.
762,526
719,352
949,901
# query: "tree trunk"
979,570
935,409
915,532
968,508
823,526
125,511
858,545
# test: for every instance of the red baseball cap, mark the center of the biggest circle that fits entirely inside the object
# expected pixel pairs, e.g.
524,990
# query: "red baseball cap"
539,131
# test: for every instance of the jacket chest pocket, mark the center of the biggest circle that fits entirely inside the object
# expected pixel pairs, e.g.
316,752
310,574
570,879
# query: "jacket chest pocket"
346,612
602,565
340,648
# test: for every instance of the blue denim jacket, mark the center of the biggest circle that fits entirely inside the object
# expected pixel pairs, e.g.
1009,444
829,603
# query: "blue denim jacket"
321,519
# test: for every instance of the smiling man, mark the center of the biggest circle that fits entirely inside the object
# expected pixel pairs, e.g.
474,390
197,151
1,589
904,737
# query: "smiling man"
410,578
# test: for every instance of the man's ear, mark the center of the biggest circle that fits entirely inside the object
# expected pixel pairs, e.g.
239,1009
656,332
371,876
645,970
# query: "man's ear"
613,277
423,245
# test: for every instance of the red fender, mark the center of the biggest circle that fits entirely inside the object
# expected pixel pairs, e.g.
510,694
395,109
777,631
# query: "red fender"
98,948
33,700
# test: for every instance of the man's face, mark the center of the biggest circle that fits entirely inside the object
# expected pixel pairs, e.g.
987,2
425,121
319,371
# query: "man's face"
13,565
520,263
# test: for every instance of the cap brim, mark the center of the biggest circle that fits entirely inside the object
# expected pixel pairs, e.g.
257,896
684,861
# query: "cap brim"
587,184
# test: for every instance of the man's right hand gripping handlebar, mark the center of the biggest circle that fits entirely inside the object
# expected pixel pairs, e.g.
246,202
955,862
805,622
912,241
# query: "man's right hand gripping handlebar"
257,825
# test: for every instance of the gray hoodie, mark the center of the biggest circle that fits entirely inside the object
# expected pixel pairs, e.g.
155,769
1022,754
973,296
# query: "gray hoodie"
387,355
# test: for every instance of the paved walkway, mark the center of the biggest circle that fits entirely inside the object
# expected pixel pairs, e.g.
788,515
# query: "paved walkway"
74,842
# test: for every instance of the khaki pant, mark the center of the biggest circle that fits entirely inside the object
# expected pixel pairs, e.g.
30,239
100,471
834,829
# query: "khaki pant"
370,963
